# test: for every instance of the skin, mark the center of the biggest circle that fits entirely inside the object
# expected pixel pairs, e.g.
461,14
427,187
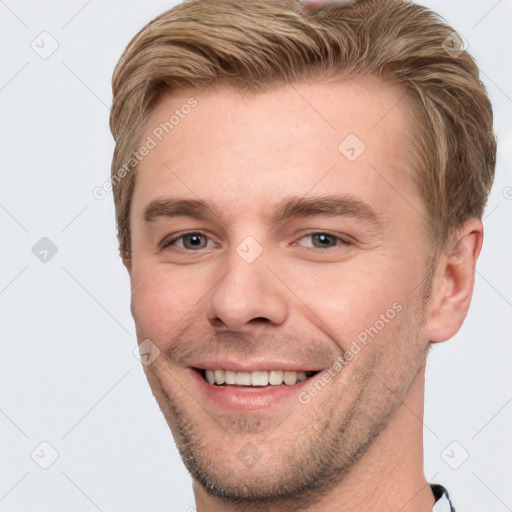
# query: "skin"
358,443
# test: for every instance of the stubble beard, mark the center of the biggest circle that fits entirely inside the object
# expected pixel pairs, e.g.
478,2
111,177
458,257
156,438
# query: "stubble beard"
324,451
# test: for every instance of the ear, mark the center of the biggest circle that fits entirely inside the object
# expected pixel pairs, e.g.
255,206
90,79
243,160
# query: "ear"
453,282
127,261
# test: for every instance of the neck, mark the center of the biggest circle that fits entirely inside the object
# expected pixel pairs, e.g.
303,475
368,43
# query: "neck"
389,476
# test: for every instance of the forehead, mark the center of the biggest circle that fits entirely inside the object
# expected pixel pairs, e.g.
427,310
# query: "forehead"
245,151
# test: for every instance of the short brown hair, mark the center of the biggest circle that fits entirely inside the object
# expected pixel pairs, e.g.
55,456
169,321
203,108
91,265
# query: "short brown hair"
257,45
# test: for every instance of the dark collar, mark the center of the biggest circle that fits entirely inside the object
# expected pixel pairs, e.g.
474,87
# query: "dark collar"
439,491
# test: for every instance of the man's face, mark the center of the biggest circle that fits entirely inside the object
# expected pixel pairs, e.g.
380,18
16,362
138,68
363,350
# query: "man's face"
262,244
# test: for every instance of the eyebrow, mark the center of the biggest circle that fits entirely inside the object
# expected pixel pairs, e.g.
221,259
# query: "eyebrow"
330,205
290,208
170,207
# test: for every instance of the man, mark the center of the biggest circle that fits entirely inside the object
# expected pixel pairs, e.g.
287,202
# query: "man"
299,196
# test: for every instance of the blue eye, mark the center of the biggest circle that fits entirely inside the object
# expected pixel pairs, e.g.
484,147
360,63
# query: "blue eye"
189,241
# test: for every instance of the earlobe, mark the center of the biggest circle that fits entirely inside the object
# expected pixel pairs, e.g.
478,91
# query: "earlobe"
453,282
127,261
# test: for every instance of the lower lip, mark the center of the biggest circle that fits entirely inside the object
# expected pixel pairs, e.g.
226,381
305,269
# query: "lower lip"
246,398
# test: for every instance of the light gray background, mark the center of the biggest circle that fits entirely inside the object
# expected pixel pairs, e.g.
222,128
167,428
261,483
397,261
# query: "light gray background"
68,375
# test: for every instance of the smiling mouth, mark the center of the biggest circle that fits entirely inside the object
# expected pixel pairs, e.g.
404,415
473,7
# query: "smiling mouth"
260,378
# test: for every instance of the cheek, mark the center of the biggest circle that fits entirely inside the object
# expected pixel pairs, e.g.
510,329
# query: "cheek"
360,301
158,301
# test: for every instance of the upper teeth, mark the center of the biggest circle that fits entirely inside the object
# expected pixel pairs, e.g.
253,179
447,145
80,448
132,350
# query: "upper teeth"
258,378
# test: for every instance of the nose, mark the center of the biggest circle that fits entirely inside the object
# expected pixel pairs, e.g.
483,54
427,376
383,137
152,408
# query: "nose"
249,294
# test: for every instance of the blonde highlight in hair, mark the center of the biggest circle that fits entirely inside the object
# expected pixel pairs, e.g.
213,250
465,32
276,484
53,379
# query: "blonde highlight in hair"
259,45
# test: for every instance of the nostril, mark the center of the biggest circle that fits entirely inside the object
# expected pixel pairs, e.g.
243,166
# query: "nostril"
260,319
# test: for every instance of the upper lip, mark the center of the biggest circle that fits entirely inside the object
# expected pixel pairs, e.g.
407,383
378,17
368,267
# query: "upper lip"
254,365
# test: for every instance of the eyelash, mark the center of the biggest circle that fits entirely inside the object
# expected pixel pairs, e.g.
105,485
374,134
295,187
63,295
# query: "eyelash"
166,243
342,241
